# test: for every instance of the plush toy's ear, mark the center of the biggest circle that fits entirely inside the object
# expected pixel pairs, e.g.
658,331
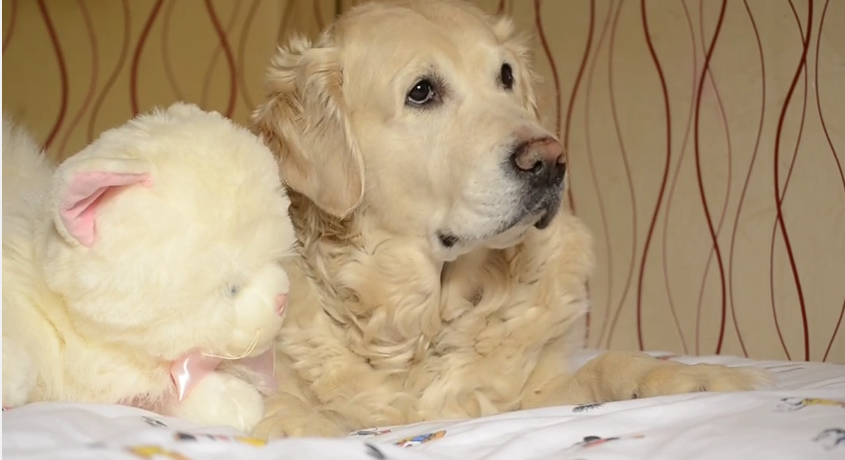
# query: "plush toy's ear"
304,123
80,187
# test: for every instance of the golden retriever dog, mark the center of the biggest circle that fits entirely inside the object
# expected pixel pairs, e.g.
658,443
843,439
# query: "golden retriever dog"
438,276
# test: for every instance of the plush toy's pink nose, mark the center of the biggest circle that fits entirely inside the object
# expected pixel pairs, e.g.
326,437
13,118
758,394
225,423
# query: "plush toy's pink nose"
281,303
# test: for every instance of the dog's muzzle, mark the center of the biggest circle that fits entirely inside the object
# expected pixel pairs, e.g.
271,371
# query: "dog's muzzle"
540,165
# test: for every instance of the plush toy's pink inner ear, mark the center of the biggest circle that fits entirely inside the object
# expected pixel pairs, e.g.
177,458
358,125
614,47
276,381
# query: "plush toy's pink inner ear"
79,200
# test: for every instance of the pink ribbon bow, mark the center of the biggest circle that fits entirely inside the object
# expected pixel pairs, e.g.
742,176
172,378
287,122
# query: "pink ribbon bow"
192,367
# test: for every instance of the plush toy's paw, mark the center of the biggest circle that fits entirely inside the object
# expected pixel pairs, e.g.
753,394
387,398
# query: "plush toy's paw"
282,425
679,379
221,399
18,374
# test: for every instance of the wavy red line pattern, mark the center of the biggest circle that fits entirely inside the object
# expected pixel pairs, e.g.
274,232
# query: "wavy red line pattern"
667,117
833,153
63,75
9,25
705,139
95,65
674,182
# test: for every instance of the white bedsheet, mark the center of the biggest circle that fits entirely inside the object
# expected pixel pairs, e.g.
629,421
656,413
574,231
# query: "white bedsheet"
803,418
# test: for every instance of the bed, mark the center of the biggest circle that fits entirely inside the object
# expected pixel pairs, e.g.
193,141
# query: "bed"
802,418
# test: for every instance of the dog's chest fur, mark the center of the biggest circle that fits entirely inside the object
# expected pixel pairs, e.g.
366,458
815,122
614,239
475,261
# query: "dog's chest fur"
396,340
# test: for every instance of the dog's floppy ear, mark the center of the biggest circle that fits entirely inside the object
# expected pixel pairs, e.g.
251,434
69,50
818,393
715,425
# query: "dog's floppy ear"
304,122
81,184
525,77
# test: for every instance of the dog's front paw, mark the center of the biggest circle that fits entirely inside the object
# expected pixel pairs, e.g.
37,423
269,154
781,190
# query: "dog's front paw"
221,399
289,416
18,374
679,379
282,425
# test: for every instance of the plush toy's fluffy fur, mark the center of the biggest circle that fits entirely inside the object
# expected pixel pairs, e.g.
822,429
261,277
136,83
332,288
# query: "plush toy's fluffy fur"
163,236
432,282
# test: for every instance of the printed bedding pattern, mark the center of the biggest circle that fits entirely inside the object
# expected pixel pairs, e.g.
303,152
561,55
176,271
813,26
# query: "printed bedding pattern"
802,418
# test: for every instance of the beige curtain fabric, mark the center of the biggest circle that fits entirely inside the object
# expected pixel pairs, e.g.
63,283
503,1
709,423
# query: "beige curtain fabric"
706,139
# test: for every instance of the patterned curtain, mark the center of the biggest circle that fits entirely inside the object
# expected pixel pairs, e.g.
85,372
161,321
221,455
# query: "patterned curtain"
706,139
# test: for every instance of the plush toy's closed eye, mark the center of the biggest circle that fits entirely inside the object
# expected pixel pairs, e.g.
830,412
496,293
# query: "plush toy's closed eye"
82,189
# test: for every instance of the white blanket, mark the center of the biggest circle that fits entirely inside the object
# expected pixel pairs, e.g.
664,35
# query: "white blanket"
803,418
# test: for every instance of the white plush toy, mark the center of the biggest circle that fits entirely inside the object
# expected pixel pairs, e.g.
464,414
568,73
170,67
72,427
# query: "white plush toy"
143,268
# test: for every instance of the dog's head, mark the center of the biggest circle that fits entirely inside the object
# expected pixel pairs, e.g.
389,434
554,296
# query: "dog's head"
421,115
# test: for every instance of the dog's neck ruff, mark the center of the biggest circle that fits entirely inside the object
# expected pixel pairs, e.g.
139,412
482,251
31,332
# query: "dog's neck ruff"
189,369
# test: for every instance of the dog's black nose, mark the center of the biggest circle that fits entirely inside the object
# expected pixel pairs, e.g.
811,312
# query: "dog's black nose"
540,160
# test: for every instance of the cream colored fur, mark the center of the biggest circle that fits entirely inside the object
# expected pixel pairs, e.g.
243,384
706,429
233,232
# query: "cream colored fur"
388,325
187,258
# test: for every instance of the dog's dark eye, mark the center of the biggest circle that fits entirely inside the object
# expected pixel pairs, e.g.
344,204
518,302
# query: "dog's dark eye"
233,290
422,93
506,76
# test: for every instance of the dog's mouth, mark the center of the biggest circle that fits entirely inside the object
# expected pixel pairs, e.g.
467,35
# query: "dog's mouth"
545,219
536,211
